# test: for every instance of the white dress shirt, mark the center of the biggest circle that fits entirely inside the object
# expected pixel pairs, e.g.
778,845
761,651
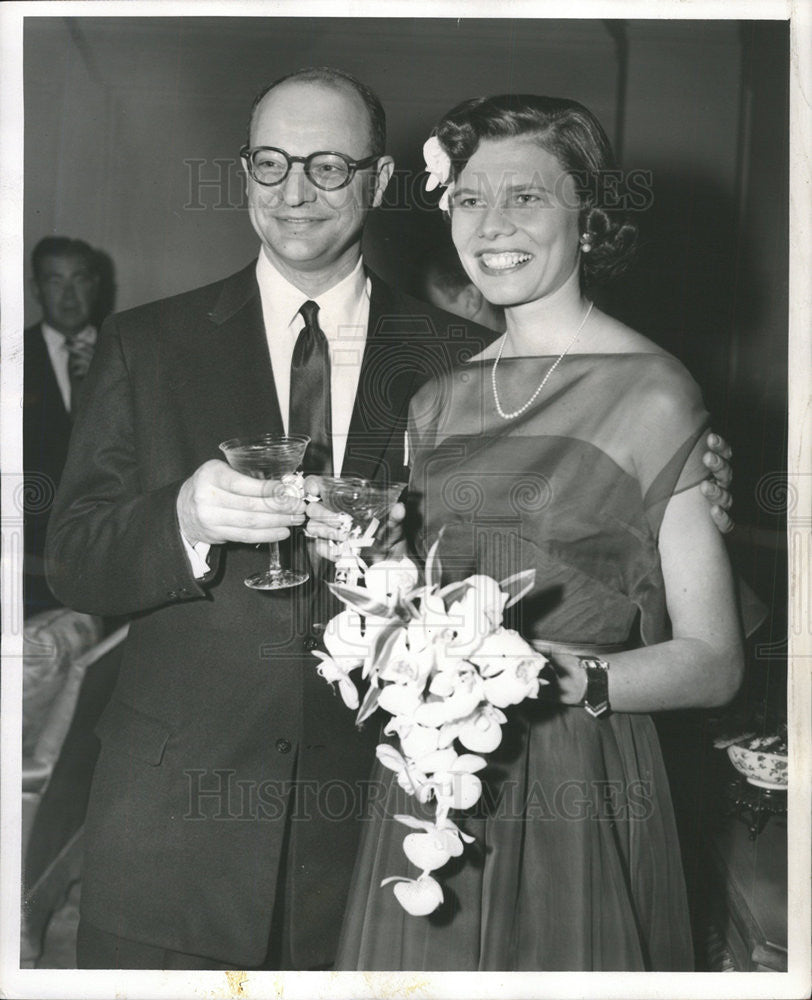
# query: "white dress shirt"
344,317
58,354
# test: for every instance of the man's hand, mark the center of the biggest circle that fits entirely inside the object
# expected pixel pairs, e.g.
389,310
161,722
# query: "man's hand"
218,504
717,488
80,354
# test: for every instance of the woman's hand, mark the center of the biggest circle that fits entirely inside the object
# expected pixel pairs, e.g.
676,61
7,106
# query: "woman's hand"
569,683
328,527
391,541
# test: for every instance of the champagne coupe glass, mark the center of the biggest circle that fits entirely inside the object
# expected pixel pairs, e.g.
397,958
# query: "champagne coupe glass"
365,503
269,456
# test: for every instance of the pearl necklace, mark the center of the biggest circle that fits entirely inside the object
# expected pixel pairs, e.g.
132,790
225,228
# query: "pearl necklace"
553,366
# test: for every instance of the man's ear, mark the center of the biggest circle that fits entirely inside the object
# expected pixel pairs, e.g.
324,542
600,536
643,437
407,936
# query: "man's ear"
96,277
383,175
33,285
246,173
470,301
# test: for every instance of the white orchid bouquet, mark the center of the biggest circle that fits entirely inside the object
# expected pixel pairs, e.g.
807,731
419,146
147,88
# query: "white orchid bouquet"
440,662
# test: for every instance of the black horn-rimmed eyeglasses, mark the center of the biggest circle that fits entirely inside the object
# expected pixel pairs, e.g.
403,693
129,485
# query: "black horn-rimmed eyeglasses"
327,170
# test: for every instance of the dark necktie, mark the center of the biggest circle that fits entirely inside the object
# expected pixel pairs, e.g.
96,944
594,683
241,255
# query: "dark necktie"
309,411
77,369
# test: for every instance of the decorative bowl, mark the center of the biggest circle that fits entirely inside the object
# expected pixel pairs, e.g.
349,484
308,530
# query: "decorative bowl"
760,767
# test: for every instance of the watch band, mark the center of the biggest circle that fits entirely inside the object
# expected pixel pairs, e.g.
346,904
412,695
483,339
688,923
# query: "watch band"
596,700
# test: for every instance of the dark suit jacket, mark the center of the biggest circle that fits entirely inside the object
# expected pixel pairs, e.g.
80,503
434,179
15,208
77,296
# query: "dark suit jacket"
46,432
218,706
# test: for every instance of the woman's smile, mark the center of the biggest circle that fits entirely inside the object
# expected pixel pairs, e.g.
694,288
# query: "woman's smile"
503,261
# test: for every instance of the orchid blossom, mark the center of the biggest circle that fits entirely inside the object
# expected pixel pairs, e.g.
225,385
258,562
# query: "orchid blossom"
438,167
439,661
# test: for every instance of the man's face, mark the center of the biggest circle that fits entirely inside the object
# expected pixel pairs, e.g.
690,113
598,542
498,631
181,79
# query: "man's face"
66,289
313,237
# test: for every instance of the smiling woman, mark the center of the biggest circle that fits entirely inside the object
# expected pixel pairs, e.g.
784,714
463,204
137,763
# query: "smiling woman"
582,441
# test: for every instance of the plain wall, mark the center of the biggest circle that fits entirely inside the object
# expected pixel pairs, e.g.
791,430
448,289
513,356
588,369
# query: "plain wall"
117,107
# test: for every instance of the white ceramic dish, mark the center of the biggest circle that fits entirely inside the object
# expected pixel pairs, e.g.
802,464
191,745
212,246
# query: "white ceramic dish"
760,767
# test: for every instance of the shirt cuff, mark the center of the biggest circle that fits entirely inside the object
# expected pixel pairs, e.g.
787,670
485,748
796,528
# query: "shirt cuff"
198,556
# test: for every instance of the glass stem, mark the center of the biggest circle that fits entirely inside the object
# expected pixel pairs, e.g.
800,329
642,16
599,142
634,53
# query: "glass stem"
274,565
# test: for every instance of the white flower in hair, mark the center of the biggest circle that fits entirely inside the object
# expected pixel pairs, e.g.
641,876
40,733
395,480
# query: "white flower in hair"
438,167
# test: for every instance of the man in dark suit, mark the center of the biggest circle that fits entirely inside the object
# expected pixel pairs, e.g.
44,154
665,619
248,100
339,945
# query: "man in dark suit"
223,819
224,815
58,351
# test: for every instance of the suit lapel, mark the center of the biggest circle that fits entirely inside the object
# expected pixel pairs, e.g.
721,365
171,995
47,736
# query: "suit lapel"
234,394
46,421
385,386
229,367
39,378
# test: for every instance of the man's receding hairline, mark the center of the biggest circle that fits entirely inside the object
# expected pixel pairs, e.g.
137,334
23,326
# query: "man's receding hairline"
335,84
87,261
65,254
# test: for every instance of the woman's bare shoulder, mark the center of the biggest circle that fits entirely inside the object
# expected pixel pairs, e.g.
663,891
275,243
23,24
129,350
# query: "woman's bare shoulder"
614,337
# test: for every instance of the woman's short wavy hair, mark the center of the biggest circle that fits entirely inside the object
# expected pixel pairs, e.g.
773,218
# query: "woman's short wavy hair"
572,134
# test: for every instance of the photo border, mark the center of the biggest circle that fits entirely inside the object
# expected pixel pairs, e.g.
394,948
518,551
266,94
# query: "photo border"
104,984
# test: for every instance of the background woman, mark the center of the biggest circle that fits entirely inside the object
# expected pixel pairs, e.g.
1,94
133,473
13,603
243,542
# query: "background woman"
573,446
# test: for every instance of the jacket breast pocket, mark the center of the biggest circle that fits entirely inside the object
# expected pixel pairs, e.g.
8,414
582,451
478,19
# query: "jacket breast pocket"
126,730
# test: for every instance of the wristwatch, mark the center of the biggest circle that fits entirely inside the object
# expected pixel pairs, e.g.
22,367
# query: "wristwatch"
596,700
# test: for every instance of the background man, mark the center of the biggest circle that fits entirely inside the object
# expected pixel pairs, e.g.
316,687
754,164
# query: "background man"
443,282
58,351
223,820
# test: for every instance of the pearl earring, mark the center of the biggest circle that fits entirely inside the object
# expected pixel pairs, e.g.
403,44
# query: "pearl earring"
585,242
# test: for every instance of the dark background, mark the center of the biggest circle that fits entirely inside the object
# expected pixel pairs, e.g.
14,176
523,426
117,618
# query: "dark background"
133,127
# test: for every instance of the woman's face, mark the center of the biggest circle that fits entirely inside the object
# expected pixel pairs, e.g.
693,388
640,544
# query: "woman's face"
514,221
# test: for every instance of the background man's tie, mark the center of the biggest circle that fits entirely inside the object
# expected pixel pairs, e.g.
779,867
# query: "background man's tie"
310,407
78,363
